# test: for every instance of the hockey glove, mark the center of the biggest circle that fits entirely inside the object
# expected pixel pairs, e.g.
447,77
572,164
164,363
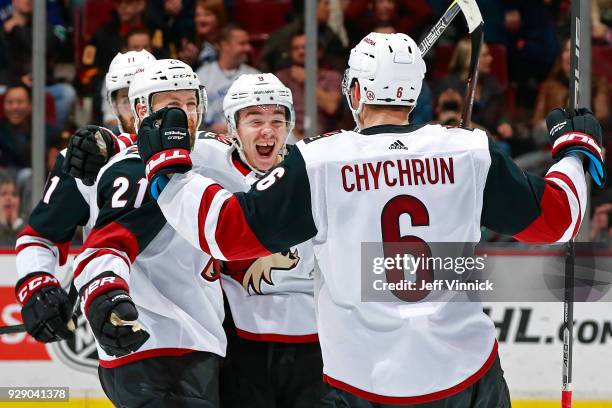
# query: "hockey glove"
47,310
112,315
163,143
578,131
88,150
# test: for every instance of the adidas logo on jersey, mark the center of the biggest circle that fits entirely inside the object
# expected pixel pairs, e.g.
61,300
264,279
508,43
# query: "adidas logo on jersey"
397,145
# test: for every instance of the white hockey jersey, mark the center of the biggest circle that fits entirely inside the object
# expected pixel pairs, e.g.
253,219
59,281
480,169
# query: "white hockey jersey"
64,206
271,298
387,182
179,305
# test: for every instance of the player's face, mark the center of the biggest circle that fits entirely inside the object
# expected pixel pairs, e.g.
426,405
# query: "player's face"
122,106
184,99
262,131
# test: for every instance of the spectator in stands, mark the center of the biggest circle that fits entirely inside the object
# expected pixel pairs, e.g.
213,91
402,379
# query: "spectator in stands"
554,92
601,22
406,16
210,17
106,42
532,47
10,221
489,102
175,17
601,224
275,54
329,94
217,76
15,128
17,30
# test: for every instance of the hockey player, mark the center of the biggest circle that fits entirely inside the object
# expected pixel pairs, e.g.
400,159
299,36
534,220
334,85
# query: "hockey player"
45,241
353,187
155,313
273,355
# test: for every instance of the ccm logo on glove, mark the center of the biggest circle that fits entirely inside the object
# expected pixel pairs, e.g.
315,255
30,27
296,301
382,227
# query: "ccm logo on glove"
573,139
35,284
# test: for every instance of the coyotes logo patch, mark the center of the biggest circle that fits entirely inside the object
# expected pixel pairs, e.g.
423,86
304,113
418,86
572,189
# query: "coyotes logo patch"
251,273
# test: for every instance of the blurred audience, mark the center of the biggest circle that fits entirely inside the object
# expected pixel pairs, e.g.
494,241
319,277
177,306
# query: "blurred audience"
217,76
16,128
106,42
554,92
406,16
11,222
210,17
275,54
176,19
489,103
328,91
17,44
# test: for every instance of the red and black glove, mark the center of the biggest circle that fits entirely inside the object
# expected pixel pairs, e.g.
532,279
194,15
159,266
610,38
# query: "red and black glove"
89,149
578,131
46,308
112,315
164,145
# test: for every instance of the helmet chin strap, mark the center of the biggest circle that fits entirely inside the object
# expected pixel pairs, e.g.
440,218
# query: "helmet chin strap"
355,112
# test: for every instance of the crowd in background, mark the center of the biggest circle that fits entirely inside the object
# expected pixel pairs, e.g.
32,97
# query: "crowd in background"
524,68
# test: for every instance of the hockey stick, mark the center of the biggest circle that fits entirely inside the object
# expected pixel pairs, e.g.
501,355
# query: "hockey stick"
72,297
472,15
568,299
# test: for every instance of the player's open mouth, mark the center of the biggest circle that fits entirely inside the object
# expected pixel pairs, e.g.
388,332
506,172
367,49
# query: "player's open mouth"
265,149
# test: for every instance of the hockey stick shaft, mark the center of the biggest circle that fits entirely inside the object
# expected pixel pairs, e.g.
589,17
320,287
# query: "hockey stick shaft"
18,328
568,299
475,27
477,37
436,32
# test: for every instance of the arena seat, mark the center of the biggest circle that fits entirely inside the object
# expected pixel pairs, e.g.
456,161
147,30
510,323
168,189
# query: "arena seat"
261,17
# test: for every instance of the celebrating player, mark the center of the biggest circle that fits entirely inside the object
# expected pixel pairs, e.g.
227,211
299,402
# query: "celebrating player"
353,187
273,355
46,307
155,313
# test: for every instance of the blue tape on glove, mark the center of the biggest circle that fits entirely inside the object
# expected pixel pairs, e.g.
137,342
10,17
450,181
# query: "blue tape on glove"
596,169
157,186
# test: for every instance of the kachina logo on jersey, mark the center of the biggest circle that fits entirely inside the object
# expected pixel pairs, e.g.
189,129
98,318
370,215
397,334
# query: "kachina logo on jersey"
397,145
79,352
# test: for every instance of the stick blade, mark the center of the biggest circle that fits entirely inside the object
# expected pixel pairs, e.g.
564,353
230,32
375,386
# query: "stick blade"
471,12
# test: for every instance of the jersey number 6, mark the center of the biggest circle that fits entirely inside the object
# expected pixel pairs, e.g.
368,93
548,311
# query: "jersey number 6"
395,244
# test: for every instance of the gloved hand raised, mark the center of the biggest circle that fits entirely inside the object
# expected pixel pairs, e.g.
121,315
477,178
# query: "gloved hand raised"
578,131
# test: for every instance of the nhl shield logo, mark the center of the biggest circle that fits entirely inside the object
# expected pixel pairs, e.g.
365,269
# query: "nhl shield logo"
79,352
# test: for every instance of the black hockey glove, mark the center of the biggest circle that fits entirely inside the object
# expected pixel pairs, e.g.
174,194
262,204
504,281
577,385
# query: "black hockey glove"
578,131
164,146
112,315
47,310
88,150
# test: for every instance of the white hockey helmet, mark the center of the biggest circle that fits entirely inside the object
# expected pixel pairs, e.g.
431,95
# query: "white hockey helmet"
121,72
161,76
254,90
390,71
